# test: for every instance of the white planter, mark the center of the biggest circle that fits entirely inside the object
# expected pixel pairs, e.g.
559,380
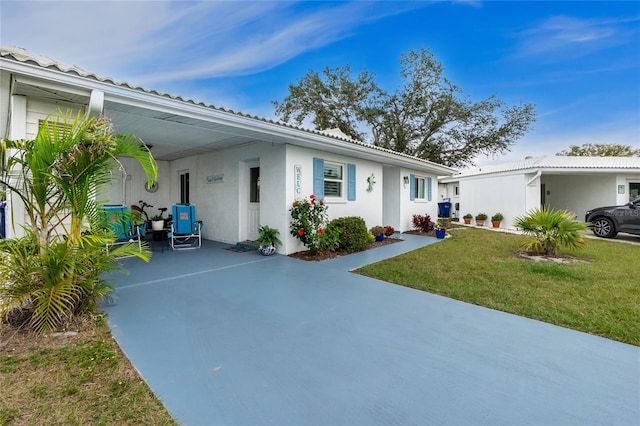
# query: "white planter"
157,225
267,250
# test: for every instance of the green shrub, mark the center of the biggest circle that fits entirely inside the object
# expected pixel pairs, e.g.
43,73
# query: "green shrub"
550,229
353,233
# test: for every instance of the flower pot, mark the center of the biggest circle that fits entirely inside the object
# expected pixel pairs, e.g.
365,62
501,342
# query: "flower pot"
467,220
380,237
480,222
157,225
495,223
441,233
267,250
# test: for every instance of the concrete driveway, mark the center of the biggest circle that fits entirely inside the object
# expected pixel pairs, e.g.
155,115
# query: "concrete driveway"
228,338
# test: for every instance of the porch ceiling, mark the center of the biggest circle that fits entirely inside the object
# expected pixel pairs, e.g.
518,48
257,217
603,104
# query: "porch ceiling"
175,136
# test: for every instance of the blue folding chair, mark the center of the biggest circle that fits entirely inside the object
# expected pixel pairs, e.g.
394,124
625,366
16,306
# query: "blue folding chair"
117,217
185,229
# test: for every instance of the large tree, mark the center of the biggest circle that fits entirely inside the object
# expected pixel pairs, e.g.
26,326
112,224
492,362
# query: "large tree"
427,116
600,150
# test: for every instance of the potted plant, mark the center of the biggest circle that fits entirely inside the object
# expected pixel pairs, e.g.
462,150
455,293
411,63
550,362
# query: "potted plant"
441,230
467,218
268,238
480,218
157,223
496,219
378,232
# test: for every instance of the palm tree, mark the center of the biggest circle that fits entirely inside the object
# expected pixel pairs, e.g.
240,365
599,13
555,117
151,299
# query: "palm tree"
54,271
551,230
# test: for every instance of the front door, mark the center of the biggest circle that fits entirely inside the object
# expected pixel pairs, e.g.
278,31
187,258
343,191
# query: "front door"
253,216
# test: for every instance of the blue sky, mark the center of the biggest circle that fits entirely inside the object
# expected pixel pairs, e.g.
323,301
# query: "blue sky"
578,62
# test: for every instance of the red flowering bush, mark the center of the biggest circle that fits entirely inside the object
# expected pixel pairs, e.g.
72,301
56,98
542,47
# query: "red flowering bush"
422,223
308,218
389,231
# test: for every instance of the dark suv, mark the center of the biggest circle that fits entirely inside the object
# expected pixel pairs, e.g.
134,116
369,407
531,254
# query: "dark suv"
606,222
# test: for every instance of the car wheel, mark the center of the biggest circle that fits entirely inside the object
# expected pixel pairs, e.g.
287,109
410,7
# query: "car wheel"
604,228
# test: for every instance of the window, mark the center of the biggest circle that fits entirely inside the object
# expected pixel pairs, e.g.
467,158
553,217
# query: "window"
254,185
420,188
333,180
184,187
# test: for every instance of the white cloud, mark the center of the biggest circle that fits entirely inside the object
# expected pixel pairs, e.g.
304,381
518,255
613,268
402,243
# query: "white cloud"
153,41
560,37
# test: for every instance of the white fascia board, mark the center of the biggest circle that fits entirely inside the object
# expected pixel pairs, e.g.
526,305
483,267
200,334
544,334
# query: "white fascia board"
165,103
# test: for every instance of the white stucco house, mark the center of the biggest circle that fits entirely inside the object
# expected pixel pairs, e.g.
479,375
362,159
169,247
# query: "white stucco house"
575,184
240,171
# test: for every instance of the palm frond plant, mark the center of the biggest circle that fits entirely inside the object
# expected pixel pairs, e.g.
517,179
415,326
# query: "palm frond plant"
54,271
551,229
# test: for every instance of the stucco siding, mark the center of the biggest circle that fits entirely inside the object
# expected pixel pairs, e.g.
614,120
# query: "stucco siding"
497,194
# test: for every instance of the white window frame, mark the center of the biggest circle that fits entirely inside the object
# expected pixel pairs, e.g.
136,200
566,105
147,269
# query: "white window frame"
341,181
425,190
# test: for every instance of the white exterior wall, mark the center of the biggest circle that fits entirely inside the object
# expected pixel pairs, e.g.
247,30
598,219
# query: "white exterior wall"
24,124
368,205
222,205
408,207
508,194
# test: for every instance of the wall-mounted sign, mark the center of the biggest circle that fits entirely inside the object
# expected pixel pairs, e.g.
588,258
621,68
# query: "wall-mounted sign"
215,178
620,189
297,181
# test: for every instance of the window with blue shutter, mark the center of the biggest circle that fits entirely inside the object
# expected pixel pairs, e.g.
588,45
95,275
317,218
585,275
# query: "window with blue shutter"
318,178
351,182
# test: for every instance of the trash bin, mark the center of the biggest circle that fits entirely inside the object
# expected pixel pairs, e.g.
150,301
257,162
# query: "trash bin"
444,209
3,234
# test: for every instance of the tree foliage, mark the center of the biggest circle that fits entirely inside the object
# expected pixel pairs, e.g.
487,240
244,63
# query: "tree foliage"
54,271
600,150
427,116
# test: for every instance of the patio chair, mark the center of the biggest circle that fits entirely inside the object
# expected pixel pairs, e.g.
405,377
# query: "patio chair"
118,218
185,230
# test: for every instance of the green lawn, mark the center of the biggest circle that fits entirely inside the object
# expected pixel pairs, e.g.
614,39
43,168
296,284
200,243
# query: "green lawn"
599,294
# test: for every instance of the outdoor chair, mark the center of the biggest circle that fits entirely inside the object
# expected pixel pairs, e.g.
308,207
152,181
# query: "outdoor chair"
185,230
118,218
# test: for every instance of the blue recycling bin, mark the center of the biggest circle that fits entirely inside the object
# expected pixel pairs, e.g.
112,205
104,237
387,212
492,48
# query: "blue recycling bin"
444,209
3,233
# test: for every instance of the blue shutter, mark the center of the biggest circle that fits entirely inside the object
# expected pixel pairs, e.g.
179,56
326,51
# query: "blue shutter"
318,178
351,182
412,187
429,189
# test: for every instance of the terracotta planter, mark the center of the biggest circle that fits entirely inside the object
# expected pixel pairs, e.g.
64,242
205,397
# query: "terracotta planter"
495,223
467,221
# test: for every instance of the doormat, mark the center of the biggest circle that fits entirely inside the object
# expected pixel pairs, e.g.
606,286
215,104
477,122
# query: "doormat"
240,248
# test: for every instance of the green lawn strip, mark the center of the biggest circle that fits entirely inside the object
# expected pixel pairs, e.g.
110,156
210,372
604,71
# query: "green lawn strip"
600,294
86,382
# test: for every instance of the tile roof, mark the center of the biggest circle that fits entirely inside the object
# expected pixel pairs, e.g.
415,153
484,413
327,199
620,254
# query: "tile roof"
557,163
24,56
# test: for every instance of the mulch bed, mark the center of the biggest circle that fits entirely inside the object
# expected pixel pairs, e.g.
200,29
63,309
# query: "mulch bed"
325,255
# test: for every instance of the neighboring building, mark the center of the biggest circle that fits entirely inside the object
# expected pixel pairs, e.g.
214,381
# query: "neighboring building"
575,184
240,171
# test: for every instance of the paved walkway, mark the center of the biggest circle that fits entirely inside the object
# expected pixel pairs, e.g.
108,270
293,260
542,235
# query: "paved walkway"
228,338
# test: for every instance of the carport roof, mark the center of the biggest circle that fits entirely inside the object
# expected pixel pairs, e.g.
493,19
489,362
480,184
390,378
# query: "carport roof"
554,165
177,127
